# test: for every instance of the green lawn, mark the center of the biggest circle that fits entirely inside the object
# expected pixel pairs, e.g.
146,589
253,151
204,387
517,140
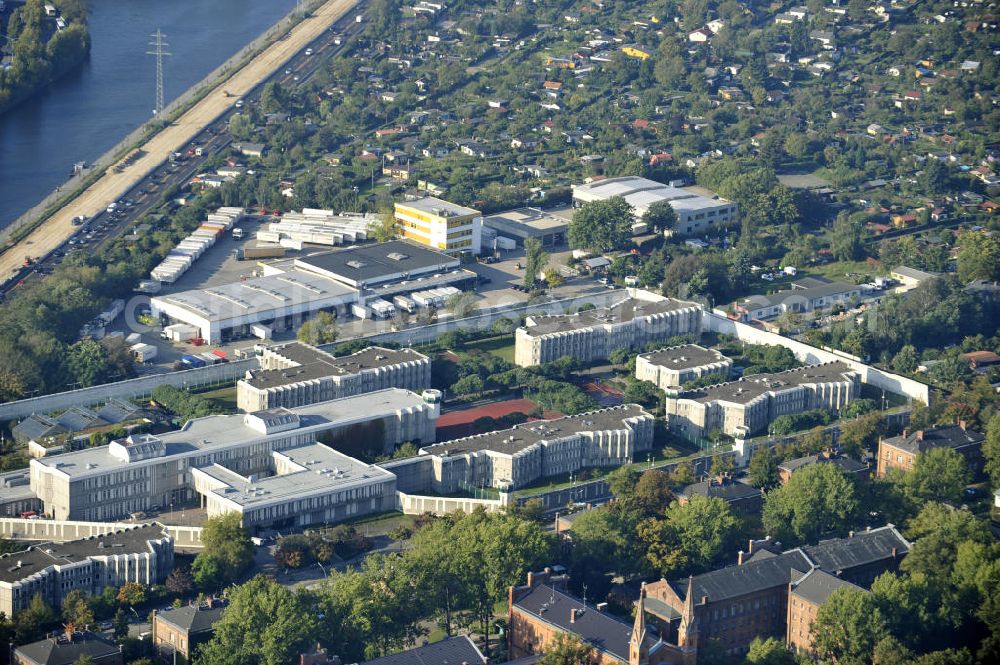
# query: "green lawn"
222,397
502,347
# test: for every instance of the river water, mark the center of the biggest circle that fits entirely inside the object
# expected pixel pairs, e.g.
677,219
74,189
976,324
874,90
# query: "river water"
89,110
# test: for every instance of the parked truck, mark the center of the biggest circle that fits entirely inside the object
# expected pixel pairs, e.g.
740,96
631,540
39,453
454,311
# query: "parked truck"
192,361
259,252
143,353
404,303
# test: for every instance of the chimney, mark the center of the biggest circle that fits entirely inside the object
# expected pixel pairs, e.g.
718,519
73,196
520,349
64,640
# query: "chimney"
739,558
572,615
906,432
920,435
963,424
704,600
893,552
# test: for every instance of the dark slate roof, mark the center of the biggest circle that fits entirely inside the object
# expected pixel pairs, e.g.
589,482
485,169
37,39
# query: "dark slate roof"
862,548
117,410
764,570
846,463
603,631
452,651
36,426
193,619
730,490
945,436
55,651
817,585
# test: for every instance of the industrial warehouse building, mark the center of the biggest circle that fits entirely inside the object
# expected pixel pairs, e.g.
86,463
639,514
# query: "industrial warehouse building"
143,554
746,407
699,211
296,374
592,335
145,471
675,366
548,227
441,225
289,292
512,458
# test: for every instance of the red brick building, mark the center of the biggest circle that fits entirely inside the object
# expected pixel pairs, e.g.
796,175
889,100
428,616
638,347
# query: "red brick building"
805,596
900,452
539,611
733,605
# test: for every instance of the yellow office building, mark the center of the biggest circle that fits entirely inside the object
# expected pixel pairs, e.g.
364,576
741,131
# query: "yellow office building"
441,225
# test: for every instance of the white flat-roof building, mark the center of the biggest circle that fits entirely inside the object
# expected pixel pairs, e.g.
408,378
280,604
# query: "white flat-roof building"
143,471
291,291
699,211
311,484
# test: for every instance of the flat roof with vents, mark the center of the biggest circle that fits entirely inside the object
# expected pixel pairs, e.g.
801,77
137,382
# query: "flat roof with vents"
309,363
311,469
514,440
751,387
375,264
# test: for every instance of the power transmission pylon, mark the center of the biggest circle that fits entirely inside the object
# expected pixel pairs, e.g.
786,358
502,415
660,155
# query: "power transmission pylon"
158,45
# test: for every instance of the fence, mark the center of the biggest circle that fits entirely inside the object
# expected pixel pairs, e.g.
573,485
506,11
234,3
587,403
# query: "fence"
810,354
61,531
417,504
142,386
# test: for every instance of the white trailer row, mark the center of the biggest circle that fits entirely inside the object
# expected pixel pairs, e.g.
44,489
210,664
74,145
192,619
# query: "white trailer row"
321,227
191,248
434,297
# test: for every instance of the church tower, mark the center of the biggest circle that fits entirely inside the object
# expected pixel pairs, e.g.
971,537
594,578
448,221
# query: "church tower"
637,652
687,635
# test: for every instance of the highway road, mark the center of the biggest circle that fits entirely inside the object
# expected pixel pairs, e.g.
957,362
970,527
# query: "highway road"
127,177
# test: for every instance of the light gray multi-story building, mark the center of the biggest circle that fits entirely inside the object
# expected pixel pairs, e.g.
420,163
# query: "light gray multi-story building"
142,554
591,335
676,365
145,471
296,374
515,457
746,407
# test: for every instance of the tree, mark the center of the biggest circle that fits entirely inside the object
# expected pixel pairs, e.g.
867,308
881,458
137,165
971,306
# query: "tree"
132,594
991,450
120,624
652,492
87,363
846,239
978,257
622,481
817,500
848,626
76,610
384,228
704,526
469,385
535,258
768,651
860,434
461,304
935,177
938,474
227,551
84,659
567,649
660,216
601,226
179,582
264,624
320,329
905,361
763,469
643,392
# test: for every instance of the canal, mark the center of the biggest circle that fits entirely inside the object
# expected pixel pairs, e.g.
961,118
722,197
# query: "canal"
87,112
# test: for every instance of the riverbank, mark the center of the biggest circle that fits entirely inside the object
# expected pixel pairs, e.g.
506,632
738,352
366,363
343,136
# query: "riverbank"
54,227
36,65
